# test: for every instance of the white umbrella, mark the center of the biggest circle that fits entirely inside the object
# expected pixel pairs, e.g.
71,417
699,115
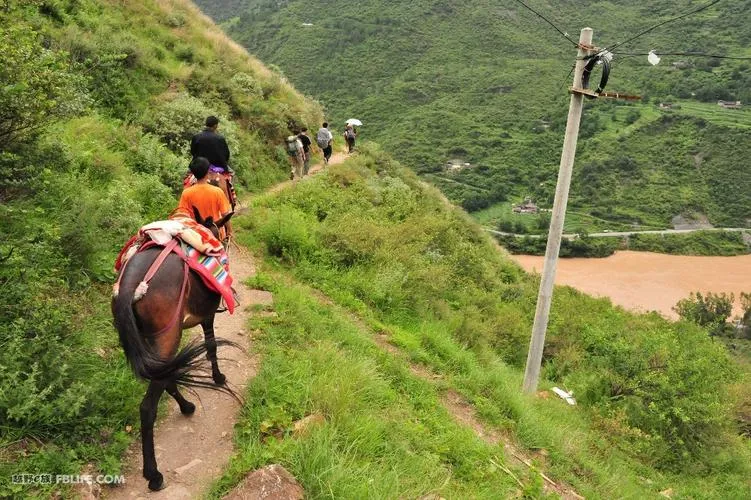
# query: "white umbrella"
355,122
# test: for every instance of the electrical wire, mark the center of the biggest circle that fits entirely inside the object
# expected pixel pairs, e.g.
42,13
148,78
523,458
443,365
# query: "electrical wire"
688,54
563,34
663,23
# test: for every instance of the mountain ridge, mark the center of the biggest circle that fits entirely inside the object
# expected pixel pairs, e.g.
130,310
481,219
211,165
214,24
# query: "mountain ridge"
486,84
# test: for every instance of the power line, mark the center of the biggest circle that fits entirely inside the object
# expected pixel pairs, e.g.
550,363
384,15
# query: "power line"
564,35
688,54
642,33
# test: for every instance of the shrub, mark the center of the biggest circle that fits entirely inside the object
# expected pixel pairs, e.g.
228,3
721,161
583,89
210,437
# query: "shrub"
246,84
288,234
96,223
710,311
37,87
176,121
151,156
667,381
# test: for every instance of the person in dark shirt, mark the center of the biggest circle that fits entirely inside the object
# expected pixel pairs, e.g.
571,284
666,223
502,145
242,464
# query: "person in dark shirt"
306,142
350,134
211,145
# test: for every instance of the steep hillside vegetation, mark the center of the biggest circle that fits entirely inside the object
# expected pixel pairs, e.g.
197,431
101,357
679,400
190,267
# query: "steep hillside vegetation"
485,83
388,301
97,101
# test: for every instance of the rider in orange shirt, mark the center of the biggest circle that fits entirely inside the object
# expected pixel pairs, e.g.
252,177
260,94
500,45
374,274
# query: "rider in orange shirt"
209,200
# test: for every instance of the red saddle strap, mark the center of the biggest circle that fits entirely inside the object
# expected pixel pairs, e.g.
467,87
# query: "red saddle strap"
168,249
179,308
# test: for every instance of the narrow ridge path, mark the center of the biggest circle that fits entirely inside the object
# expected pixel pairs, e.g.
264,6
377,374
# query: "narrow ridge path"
192,451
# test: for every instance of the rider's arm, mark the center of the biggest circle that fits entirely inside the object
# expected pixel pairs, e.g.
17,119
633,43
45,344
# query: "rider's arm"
193,147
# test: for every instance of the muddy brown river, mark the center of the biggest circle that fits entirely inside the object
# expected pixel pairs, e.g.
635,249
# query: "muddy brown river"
643,281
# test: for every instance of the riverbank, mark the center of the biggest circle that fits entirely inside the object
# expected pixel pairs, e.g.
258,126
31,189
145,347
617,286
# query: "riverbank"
715,242
646,281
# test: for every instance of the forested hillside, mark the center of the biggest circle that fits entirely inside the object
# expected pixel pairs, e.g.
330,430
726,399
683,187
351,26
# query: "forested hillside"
485,83
97,102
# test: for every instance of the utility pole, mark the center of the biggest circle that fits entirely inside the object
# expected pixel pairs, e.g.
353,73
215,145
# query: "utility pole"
545,296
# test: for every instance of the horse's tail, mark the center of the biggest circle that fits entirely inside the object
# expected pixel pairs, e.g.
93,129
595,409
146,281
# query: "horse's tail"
186,368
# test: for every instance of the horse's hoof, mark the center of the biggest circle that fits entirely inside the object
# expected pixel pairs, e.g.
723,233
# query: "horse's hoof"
219,379
188,409
157,483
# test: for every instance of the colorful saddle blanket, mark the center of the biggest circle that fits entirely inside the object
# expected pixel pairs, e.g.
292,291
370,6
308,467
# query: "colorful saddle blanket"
198,247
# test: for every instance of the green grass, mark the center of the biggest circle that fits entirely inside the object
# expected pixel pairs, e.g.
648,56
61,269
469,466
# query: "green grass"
389,251
732,118
386,434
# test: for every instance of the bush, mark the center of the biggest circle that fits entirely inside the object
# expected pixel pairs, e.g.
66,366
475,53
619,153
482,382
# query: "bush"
97,223
710,311
288,235
663,380
176,121
36,86
151,156
246,84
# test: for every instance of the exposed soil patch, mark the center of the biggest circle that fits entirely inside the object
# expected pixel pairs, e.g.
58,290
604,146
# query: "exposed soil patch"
335,159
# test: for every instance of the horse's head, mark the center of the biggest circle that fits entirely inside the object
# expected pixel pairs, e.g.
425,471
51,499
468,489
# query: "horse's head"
209,222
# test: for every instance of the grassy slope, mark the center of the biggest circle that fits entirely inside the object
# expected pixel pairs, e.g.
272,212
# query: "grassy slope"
389,251
74,193
481,82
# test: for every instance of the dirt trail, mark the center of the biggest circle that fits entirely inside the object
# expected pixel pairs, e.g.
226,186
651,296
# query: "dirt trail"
192,451
335,159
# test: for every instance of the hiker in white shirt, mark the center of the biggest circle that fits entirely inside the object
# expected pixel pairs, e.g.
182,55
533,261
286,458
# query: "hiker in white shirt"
324,138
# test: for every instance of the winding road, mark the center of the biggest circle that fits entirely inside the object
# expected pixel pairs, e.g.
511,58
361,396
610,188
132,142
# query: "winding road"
620,234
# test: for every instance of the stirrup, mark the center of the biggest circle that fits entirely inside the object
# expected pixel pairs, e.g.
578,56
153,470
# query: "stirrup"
222,307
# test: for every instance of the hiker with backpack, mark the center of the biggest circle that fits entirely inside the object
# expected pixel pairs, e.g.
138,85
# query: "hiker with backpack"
350,134
296,154
324,139
306,142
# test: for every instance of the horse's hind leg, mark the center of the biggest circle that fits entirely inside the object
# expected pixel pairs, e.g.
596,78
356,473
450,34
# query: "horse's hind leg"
186,407
148,417
208,333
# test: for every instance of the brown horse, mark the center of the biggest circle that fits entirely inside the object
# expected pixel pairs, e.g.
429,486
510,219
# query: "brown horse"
150,330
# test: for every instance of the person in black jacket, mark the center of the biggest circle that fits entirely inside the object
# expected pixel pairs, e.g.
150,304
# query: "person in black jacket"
211,145
306,142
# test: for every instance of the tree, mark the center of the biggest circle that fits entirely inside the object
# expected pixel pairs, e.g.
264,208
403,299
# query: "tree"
745,320
710,311
506,226
36,86
543,221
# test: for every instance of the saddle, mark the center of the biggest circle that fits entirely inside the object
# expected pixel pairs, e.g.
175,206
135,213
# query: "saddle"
193,243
